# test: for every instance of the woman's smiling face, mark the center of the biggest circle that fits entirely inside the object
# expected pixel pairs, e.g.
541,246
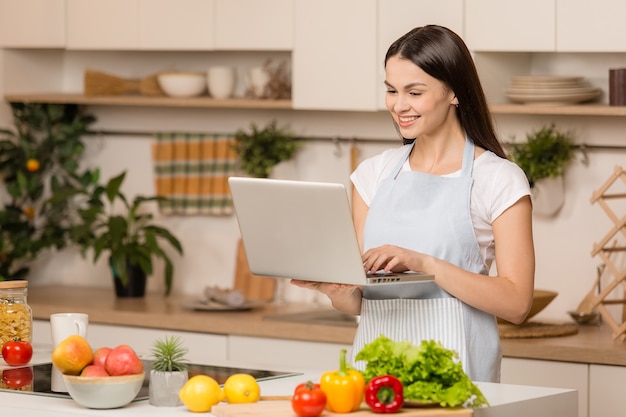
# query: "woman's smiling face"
419,103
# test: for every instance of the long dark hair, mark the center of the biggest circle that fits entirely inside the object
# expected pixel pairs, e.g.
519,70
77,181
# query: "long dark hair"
442,54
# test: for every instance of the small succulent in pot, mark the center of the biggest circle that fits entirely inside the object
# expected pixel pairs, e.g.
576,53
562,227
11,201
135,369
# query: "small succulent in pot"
168,372
169,355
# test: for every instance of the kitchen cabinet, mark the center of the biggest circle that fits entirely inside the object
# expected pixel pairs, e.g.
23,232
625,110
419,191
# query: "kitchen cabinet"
334,61
253,25
32,23
203,347
552,374
285,353
511,25
577,31
180,25
102,24
392,25
606,394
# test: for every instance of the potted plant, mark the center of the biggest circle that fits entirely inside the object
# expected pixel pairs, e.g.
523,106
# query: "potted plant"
544,158
39,158
168,372
261,149
131,239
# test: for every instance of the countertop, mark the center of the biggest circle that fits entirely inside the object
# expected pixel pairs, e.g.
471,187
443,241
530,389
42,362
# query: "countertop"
592,344
505,400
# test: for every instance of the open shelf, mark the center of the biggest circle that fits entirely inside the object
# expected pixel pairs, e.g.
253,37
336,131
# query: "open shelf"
238,103
147,101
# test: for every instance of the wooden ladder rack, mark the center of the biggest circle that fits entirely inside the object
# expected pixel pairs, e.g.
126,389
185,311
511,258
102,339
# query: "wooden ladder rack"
604,251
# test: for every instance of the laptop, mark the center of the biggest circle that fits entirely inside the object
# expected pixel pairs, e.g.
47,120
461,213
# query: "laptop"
303,230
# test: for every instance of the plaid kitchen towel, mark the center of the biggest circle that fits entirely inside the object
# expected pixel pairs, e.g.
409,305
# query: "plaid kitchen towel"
192,170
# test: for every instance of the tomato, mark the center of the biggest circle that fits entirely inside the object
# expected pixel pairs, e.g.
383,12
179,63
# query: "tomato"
308,400
17,378
17,352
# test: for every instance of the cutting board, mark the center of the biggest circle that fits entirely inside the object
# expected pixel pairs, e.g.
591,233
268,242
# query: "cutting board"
283,409
253,287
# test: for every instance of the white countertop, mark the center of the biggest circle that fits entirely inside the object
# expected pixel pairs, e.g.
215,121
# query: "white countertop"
506,400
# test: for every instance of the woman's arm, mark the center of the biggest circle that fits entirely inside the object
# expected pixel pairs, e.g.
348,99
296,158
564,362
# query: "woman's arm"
507,295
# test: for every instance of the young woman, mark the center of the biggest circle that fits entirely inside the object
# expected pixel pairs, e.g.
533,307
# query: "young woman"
447,203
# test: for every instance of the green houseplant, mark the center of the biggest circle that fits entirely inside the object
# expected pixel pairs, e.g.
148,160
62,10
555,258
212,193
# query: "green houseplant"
546,153
260,149
168,372
39,168
131,239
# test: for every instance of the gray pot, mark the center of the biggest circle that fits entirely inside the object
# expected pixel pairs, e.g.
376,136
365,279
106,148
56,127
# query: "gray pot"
164,388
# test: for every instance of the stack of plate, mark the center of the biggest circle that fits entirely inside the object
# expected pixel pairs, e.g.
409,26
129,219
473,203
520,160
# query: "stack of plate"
550,90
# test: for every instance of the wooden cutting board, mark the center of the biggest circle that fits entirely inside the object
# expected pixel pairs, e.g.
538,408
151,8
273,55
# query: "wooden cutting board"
253,287
283,409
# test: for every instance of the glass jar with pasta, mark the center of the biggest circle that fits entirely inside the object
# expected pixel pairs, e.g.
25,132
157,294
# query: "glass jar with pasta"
16,318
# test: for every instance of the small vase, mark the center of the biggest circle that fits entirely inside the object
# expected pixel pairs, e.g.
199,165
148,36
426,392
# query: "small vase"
164,387
548,196
136,285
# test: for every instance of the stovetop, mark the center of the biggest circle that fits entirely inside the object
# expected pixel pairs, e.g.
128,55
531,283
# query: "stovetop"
36,379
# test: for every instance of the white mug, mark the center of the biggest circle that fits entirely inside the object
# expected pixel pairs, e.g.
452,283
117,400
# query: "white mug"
221,81
63,325
258,79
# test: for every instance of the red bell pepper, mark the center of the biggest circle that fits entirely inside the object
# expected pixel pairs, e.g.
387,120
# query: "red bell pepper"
384,394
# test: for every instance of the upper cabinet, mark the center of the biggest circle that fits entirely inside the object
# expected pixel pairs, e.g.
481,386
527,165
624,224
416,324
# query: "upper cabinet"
180,25
103,24
32,23
510,25
264,25
597,26
334,58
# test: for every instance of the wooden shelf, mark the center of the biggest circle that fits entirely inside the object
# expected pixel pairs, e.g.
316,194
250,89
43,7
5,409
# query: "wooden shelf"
146,101
237,103
574,110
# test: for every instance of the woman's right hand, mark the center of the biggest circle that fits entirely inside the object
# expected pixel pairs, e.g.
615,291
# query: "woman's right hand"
346,298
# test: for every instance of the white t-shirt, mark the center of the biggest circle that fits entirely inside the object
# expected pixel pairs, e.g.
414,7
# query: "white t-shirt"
498,184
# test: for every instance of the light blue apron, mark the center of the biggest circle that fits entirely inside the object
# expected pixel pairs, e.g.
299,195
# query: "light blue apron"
429,214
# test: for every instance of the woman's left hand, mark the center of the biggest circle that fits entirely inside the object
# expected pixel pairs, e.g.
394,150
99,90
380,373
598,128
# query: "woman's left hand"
391,258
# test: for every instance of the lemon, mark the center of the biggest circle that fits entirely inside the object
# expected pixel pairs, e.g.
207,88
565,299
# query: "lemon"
241,388
200,393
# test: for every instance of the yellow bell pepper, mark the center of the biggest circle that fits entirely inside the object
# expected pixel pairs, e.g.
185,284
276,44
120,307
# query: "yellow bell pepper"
343,388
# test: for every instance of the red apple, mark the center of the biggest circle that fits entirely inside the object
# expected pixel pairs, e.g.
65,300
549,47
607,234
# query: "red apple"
100,356
122,360
94,370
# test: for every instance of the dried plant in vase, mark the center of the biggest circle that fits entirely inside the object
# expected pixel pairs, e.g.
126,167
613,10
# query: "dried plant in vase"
278,85
168,372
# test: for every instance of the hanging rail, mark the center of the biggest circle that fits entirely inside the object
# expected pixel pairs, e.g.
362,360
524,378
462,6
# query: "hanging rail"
338,140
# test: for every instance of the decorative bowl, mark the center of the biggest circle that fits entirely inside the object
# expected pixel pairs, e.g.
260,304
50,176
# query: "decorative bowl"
104,392
541,299
182,84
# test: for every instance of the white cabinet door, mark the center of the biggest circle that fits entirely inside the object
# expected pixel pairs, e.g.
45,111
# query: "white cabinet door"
102,24
550,374
585,26
252,25
281,353
392,25
204,348
32,23
176,25
335,56
606,391
510,25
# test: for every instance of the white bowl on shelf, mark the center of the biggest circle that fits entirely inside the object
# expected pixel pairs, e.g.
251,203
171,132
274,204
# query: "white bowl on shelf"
182,84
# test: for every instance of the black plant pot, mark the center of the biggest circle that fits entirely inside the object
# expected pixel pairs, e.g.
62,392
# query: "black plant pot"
136,285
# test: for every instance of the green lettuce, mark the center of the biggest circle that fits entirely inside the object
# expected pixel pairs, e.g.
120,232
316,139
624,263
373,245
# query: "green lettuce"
429,372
